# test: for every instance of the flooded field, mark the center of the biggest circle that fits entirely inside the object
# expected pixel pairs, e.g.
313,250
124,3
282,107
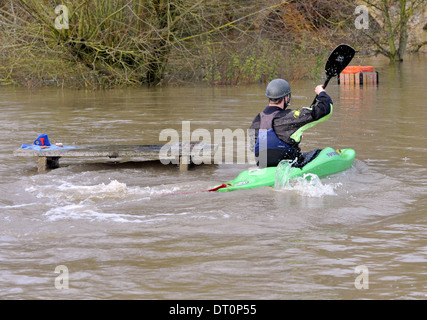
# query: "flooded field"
113,230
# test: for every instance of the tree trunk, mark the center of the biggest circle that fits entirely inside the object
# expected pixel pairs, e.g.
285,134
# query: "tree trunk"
389,27
403,36
158,57
156,65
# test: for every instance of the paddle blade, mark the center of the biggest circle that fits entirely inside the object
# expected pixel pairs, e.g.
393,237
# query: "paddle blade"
338,60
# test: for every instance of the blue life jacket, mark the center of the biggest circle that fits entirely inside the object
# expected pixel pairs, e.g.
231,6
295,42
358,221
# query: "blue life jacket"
267,138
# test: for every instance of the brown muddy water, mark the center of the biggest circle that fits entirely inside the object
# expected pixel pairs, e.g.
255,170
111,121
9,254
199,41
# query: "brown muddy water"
103,230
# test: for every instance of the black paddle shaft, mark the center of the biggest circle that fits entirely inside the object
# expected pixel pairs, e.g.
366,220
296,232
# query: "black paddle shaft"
337,61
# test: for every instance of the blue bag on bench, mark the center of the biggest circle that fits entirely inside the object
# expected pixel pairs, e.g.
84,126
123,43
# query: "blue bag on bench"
42,140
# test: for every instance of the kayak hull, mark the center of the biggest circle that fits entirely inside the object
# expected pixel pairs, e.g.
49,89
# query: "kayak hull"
327,162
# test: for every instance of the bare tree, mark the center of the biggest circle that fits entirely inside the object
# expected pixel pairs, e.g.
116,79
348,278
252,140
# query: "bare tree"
390,36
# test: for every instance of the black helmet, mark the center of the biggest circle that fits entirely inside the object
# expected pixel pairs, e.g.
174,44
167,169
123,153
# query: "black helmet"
278,88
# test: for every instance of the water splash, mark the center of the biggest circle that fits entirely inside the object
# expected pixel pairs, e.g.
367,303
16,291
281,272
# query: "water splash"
283,173
308,185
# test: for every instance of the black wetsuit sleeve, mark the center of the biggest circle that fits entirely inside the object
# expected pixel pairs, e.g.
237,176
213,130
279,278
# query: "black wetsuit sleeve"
289,122
323,106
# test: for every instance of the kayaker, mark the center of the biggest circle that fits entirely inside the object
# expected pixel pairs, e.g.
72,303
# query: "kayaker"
283,127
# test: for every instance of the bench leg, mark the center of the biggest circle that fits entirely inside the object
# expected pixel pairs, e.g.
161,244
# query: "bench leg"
41,164
44,163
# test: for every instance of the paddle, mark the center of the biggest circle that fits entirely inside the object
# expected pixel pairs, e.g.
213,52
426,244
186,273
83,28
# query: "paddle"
337,61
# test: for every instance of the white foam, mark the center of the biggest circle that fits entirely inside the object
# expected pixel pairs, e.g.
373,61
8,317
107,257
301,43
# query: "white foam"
309,185
84,212
94,214
69,192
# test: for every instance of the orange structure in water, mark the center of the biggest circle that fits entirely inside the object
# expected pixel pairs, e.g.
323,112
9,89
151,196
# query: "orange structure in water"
358,75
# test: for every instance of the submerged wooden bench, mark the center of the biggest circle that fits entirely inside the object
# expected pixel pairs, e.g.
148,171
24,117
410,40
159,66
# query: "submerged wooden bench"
181,154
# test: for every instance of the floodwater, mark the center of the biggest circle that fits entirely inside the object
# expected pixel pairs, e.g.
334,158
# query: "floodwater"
104,229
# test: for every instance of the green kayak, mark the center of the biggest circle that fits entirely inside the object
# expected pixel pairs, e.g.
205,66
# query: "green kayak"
328,161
